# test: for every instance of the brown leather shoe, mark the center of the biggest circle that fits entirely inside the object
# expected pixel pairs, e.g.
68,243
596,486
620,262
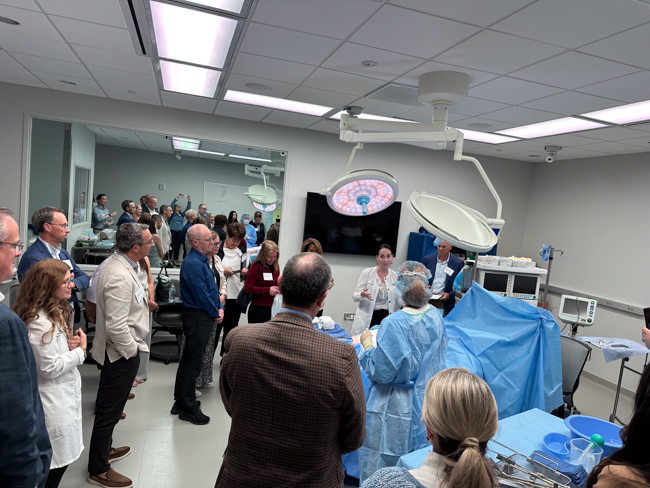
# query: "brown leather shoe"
113,480
122,417
131,396
118,453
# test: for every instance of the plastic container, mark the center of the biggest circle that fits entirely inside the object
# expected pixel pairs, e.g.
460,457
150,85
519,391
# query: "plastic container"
505,262
578,446
172,293
556,444
585,426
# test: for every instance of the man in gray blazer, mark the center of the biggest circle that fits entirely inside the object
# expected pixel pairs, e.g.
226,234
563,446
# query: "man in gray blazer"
122,325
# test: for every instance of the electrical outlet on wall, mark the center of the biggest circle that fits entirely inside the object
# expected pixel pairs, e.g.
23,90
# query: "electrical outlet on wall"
348,316
161,186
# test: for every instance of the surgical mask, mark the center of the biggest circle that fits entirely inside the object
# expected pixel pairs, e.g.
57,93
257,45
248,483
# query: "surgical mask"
246,221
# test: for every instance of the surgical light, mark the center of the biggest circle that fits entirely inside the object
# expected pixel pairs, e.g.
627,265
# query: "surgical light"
362,192
625,114
551,127
276,103
190,80
265,208
263,194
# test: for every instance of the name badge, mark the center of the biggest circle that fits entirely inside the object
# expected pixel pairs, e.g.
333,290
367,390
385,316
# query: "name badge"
140,294
449,271
68,263
267,276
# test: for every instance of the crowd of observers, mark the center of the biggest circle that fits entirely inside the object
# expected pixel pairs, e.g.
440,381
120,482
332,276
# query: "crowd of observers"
295,395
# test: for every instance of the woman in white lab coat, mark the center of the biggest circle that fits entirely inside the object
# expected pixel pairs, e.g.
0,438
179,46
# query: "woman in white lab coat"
375,292
42,303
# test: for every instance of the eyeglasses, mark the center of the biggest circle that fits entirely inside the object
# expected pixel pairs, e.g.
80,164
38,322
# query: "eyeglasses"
67,282
150,241
63,226
18,245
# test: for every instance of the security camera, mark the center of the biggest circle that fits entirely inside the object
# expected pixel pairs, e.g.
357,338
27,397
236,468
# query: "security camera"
178,155
354,111
283,153
552,153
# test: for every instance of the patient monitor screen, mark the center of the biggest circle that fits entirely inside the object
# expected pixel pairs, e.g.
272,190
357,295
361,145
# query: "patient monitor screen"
495,282
571,307
525,284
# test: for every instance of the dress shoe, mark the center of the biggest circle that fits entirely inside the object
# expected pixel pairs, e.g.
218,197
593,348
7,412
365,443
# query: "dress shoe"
113,480
176,408
209,384
119,453
197,393
131,396
122,417
196,417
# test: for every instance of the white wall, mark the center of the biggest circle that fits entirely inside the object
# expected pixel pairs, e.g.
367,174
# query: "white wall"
315,159
596,211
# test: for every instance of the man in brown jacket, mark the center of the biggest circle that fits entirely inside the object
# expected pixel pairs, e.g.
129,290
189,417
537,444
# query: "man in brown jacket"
294,394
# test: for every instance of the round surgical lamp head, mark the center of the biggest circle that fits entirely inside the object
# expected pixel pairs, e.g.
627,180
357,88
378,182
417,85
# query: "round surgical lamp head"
362,192
265,208
261,194
453,222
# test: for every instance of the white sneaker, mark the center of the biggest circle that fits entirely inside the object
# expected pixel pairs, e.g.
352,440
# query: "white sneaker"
198,393
208,385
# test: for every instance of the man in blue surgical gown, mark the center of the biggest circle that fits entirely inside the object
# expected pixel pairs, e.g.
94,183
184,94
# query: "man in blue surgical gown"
411,348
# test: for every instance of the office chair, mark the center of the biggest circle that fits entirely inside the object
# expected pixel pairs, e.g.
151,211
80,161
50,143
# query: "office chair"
169,318
574,357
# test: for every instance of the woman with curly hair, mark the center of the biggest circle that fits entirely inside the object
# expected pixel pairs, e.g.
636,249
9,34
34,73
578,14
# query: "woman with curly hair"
42,303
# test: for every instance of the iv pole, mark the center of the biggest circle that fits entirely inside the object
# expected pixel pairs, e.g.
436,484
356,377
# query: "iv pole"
547,254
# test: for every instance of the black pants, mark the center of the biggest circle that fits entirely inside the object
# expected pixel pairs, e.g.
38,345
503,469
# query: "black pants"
258,314
177,241
54,478
230,321
115,384
378,316
197,327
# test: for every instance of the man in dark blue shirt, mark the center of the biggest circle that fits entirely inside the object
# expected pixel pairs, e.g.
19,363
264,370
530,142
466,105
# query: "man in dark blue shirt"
201,310
127,217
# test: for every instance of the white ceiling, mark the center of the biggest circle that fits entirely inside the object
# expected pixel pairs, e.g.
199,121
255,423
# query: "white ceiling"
529,61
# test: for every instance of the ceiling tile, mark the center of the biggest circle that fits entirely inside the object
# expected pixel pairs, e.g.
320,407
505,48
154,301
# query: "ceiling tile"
330,126
214,157
36,46
419,34
379,107
55,66
511,91
32,23
476,77
321,97
520,115
279,122
566,140
83,85
572,70
334,18
571,103
339,82
297,120
643,127
631,88
124,137
628,47
188,102
497,53
574,23
155,142
105,140
92,56
107,12
125,91
496,150
349,58
278,89
478,12
95,35
223,148
424,114
16,73
36,84
494,125
641,142
271,69
118,76
6,60
612,134
525,145
578,153
614,148
28,4
284,44
476,106
240,111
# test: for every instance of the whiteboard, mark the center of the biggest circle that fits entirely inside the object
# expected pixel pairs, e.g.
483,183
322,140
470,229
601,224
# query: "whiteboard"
221,199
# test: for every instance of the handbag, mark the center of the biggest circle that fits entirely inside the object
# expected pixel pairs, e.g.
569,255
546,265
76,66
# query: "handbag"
163,286
243,298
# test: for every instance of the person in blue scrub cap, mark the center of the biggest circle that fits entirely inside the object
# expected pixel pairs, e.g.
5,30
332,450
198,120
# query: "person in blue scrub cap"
251,232
411,348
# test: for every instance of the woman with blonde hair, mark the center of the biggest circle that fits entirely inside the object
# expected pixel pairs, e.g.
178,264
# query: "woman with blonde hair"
42,303
461,416
262,283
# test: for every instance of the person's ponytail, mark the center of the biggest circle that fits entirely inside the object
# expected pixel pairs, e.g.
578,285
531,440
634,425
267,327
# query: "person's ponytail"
471,470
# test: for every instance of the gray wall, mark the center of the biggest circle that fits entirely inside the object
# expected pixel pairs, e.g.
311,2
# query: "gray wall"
48,165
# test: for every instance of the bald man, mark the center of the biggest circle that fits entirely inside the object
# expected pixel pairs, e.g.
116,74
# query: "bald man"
444,268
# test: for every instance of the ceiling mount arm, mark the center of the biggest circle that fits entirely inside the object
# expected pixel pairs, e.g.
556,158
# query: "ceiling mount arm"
358,146
489,185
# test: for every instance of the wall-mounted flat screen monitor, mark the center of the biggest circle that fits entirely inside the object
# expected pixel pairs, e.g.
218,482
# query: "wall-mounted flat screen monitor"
343,234
495,282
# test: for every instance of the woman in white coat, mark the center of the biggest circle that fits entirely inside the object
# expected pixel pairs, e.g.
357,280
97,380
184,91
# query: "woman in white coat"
375,292
42,303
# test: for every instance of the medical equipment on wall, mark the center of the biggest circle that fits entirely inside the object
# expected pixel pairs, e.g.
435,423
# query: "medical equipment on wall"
577,311
369,191
547,255
511,282
266,194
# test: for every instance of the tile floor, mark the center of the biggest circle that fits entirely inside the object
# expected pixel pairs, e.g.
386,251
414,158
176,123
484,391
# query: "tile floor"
170,453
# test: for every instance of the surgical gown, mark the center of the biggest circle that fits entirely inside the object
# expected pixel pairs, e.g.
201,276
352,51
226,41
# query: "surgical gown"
411,348
251,236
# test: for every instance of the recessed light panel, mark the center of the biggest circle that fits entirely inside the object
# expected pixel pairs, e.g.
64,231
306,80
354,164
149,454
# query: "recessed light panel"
191,36
234,6
190,80
550,128
276,103
486,137
249,158
625,114
184,143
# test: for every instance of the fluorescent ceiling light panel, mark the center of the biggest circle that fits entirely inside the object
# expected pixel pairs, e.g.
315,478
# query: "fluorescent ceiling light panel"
249,158
190,80
234,6
191,36
184,143
471,135
550,128
204,151
276,103
633,112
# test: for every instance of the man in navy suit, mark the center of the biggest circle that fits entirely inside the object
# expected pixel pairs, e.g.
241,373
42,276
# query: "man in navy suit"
25,452
52,227
127,217
444,268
